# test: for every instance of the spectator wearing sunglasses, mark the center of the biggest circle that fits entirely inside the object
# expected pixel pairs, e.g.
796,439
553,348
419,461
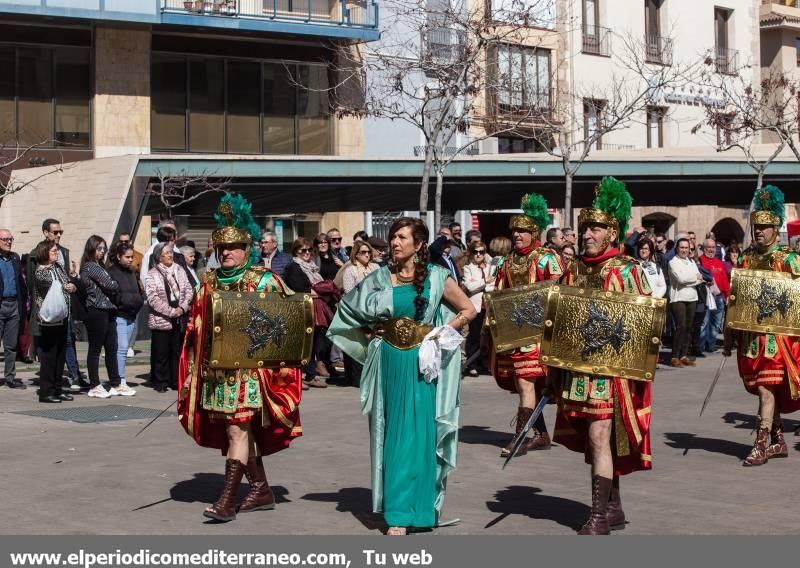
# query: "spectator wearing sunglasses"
337,250
479,277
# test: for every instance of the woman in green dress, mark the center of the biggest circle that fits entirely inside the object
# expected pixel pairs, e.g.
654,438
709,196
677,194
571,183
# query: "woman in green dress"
413,423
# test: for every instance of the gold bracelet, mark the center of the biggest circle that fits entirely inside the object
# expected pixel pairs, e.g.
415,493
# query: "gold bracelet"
463,318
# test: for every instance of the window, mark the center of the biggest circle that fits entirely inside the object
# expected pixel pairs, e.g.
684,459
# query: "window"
508,145
523,79
592,119
591,15
796,48
218,105
45,96
655,127
7,89
658,49
73,82
244,107
725,57
168,103
206,105
538,13
724,136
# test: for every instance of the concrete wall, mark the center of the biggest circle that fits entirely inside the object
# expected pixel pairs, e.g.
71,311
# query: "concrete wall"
122,97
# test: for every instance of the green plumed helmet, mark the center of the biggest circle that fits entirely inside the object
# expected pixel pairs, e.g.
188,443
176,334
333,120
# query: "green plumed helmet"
768,206
613,199
236,224
535,217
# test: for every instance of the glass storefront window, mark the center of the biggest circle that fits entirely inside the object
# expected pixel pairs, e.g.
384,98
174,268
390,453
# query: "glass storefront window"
239,107
206,105
168,103
280,92
7,89
244,107
35,96
73,114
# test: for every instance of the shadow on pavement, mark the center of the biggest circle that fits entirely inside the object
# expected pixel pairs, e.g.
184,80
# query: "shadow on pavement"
748,421
206,487
529,501
687,441
354,500
483,435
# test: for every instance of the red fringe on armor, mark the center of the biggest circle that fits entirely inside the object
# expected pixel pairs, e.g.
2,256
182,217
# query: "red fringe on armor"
634,399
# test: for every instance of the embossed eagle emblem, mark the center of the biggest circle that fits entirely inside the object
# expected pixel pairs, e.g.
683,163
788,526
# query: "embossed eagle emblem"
770,301
263,329
598,331
529,311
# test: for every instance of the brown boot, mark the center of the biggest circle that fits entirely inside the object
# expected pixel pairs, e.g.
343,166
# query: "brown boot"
675,362
225,507
778,447
260,496
758,455
598,519
321,370
540,441
523,414
688,362
614,513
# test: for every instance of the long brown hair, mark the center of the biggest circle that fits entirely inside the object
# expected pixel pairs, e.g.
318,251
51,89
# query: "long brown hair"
420,234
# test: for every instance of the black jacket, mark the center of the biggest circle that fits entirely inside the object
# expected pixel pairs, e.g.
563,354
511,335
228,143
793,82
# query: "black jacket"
436,251
128,299
32,264
22,289
296,279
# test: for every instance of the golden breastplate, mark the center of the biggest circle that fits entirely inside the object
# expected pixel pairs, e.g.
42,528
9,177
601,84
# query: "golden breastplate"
590,276
250,278
518,268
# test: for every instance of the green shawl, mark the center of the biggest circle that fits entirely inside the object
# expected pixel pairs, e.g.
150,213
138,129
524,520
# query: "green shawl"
366,305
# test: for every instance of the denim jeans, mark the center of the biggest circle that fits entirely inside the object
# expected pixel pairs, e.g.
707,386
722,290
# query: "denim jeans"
712,325
125,330
73,370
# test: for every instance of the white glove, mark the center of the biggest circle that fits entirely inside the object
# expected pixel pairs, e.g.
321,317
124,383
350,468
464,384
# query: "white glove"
430,352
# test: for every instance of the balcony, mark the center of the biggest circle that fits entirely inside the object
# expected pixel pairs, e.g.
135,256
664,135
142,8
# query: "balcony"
346,19
524,106
442,46
658,50
596,41
726,61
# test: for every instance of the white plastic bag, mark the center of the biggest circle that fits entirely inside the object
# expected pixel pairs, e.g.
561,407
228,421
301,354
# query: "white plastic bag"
443,338
54,306
711,303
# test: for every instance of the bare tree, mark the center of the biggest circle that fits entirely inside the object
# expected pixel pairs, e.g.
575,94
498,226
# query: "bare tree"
433,69
174,191
17,156
586,113
749,117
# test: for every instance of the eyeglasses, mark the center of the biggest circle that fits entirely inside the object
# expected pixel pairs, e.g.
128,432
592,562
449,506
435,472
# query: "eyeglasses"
61,232
336,239
8,240
363,252
480,251
304,250
101,249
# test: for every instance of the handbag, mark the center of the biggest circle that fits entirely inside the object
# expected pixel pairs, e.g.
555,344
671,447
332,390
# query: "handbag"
54,307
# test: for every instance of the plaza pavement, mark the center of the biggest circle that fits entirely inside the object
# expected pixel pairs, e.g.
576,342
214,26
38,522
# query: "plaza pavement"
72,478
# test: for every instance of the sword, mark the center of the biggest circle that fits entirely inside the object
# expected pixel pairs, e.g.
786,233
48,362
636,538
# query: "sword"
537,412
713,384
156,418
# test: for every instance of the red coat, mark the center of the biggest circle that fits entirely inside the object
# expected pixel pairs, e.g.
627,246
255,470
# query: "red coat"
717,269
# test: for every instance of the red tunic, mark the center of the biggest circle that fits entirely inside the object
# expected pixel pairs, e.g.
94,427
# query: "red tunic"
591,397
274,425
518,269
771,359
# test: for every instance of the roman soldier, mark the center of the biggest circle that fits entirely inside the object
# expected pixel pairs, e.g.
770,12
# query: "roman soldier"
768,362
520,370
606,418
246,413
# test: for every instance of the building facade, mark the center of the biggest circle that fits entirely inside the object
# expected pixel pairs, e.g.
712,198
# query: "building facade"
92,79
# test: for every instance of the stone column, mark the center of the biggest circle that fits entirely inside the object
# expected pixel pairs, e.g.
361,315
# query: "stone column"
122,91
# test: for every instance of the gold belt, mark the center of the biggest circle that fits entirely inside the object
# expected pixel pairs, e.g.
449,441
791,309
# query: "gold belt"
404,333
